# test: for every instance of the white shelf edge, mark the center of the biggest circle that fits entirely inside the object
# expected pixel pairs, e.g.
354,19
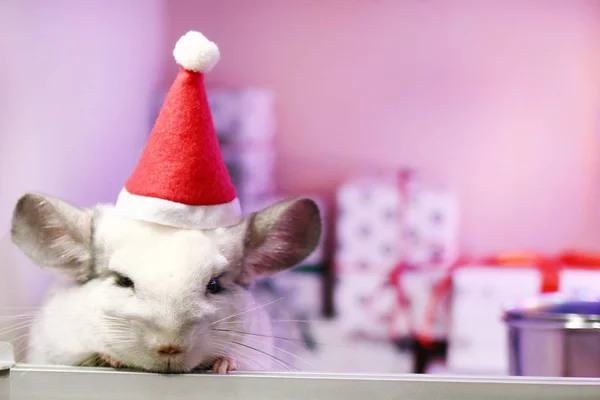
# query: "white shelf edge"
41,382
33,382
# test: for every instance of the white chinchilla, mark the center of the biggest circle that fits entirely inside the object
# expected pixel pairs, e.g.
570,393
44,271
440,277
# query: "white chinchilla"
152,297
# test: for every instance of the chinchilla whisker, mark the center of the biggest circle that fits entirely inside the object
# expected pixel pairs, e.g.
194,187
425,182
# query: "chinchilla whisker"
225,350
279,361
306,321
16,327
86,360
297,340
118,322
115,318
259,335
293,355
116,329
119,339
250,361
282,350
222,348
34,314
19,313
116,333
20,337
19,316
219,352
3,343
247,311
20,352
93,360
15,340
122,328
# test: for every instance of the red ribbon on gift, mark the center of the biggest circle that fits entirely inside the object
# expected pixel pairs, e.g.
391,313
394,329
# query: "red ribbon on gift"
403,178
549,267
573,258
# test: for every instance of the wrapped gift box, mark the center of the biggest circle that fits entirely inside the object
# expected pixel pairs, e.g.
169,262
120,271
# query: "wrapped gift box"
576,281
252,171
389,309
367,225
419,287
244,121
367,307
478,341
580,273
242,116
478,336
384,220
430,226
394,225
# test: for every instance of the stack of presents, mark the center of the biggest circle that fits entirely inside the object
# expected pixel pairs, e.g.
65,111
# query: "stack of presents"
396,236
482,287
401,273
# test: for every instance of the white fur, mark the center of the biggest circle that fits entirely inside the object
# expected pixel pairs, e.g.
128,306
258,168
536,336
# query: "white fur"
194,52
170,269
178,215
89,315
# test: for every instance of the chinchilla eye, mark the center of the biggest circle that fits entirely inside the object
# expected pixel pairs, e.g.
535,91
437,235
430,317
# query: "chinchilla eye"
214,286
124,281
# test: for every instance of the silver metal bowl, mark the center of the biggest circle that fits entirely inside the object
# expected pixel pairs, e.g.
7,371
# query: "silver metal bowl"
555,335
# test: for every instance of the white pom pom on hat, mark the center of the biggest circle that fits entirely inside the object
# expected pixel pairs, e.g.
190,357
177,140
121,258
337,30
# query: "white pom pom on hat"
194,52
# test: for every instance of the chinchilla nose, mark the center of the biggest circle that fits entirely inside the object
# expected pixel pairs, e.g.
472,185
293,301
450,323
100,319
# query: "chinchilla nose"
169,350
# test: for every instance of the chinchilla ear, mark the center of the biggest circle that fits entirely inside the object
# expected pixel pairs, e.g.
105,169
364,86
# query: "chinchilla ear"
54,234
279,237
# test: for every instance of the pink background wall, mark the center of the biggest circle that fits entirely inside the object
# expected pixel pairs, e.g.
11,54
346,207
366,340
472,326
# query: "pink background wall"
497,98
77,81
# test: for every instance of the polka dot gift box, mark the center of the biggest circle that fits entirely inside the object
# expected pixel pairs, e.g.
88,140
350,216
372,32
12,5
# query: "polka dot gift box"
243,116
392,231
391,218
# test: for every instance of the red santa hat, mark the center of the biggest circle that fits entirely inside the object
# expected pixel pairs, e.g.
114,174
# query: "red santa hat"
181,179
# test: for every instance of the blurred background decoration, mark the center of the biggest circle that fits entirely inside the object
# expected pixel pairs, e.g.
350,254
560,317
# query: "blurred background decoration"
452,146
